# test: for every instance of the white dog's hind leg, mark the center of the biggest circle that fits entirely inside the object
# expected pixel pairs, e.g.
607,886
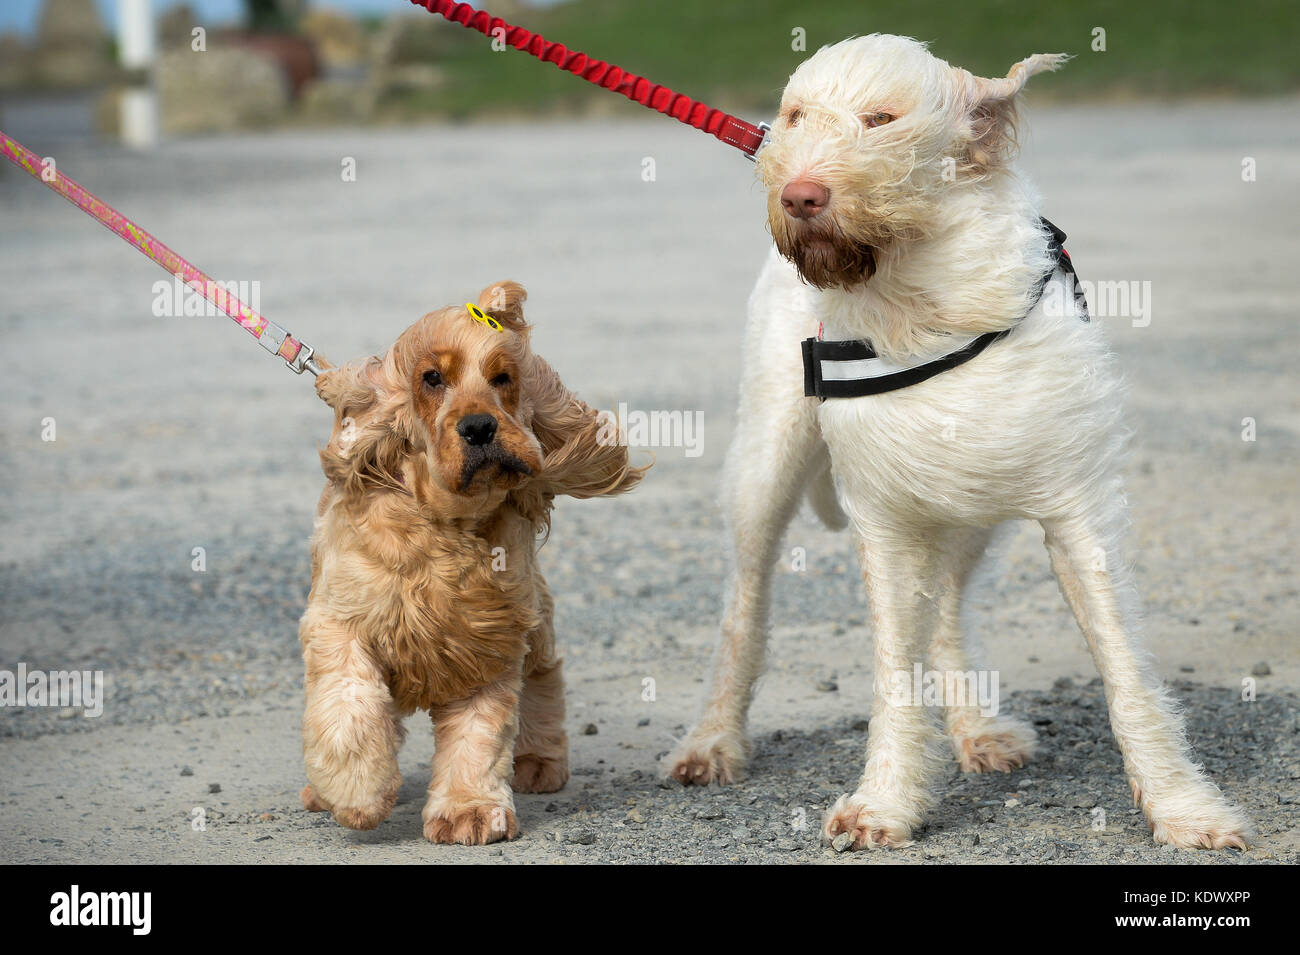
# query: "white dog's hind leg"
903,751
1182,805
823,496
981,741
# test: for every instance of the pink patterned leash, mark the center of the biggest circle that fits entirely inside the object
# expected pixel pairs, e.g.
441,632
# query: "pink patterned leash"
297,355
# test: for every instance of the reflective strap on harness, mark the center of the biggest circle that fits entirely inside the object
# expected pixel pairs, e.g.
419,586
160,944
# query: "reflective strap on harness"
853,369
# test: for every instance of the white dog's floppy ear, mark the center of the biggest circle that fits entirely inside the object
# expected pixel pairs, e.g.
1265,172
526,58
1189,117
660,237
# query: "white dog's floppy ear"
1016,78
504,301
991,108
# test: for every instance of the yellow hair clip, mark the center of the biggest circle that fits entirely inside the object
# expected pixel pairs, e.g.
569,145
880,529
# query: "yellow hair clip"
479,315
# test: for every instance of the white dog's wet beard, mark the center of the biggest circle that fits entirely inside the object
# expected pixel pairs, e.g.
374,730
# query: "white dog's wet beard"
825,258
479,457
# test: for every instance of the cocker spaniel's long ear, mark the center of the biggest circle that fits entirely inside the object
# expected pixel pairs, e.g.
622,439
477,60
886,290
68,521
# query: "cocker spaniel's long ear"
365,449
504,301
350,388
583,454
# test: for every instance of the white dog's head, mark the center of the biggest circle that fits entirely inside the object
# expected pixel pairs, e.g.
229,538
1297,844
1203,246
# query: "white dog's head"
871,131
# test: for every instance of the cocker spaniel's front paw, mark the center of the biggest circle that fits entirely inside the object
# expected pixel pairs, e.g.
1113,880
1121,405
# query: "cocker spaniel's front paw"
367,813
367,816
363,819
471,825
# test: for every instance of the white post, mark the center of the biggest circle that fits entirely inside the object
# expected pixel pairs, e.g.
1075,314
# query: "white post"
136,46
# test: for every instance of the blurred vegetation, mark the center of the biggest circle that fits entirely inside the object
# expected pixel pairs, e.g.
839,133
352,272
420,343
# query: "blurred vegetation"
737,53
270,16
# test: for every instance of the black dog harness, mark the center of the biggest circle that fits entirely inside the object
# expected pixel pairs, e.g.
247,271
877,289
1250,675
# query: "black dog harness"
853,369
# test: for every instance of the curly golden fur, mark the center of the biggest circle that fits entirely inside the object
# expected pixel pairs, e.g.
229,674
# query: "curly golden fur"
426,592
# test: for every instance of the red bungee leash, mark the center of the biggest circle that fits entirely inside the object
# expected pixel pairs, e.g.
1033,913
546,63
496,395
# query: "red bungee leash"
746,137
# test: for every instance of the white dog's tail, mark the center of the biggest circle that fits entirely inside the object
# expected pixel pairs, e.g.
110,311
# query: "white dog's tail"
825,502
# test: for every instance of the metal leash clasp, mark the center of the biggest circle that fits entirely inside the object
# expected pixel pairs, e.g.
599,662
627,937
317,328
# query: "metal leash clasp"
304,361
272,339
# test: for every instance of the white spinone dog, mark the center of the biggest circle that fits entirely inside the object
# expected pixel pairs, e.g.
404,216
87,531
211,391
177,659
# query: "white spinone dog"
899,219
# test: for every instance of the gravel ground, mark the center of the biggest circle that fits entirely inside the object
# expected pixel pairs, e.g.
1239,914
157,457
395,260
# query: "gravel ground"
179,433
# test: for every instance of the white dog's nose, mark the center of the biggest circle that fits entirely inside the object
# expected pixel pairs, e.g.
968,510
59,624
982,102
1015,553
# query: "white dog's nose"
804,198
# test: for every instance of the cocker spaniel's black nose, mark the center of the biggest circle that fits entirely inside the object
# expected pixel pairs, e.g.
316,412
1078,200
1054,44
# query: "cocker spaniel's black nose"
477,429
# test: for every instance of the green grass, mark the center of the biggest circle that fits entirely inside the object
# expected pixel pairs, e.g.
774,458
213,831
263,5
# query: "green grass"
737,53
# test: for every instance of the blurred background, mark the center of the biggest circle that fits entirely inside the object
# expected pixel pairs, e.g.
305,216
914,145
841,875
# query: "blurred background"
222,65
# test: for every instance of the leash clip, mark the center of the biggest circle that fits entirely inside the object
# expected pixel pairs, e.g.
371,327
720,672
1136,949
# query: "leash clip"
303,361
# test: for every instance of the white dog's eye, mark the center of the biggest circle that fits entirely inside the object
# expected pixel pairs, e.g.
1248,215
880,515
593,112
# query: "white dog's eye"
794,116
872,120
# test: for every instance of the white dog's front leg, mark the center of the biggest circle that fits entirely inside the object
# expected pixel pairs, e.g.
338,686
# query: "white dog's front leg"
902,749
776,447
1182,805
768,464
766,493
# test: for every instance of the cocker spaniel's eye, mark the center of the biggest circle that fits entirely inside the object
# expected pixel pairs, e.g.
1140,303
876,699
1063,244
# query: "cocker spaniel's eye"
501,380
432,378
872,120
793,117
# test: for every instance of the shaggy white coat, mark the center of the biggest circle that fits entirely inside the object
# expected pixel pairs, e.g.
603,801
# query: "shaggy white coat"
1031,429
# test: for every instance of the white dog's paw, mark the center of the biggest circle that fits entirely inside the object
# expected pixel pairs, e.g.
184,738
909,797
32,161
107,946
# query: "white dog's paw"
868,827
997,744
1216,825
713,758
